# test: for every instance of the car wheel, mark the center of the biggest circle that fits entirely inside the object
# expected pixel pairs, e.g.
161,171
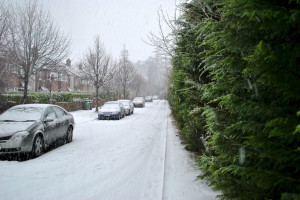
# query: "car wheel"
69,136
37,147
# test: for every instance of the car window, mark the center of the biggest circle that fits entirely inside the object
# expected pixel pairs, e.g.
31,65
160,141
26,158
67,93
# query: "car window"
59,111
110,106
125,103
50,113
20,113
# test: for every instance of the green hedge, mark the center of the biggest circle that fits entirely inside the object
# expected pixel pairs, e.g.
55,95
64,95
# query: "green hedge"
236,85
43,97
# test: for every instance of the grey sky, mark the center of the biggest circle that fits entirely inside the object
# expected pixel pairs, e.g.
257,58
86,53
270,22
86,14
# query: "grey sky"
118,22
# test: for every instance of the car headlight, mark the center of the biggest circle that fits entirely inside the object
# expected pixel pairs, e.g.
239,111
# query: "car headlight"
20,135
100,113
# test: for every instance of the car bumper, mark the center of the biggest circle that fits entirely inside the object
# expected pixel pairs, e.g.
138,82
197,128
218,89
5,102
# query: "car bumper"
112,116
15,146
139,105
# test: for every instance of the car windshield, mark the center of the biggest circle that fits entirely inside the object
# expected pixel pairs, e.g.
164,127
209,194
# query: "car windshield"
110,106
22,114
125,103
138,99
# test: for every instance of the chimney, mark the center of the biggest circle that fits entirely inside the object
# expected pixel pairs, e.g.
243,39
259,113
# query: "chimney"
68,62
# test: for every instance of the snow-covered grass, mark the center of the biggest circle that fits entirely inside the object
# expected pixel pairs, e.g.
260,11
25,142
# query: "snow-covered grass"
137,157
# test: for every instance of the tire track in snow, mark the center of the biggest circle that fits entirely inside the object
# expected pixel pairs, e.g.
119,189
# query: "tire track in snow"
156,163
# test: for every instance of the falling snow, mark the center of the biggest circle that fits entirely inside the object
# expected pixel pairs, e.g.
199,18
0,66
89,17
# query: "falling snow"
137,157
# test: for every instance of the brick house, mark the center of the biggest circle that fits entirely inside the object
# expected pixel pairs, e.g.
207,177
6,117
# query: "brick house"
65,77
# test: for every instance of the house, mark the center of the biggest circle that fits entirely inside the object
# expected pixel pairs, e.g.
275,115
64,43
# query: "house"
64,77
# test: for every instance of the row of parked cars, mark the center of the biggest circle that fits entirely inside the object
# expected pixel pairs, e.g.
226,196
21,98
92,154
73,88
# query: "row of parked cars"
151,98
31,128
116,109
119,109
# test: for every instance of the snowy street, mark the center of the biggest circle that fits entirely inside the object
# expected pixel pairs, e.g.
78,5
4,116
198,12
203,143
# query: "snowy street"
137,157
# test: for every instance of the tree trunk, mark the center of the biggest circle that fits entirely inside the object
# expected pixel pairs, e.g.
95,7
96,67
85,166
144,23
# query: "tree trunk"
124,92
25,91
97,98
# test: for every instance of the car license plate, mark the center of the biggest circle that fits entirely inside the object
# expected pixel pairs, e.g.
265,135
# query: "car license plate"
107,114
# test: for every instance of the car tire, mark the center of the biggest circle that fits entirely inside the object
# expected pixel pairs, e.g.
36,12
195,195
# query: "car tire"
69,136
37,146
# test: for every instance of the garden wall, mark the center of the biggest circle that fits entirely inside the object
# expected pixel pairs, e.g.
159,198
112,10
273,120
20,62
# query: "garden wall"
70,106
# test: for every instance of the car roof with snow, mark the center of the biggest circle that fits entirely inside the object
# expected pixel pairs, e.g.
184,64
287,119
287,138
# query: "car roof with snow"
123,100
112,102
34,105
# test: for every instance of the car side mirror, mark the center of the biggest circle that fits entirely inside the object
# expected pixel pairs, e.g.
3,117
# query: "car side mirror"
48,119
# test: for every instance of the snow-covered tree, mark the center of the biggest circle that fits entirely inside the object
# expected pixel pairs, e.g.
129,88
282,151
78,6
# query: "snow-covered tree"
126,72
4,24
98,66
35,42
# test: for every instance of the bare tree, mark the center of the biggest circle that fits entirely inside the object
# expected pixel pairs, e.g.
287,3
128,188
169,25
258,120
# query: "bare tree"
35,42
4,24
155,71
126,72
98,66
165,41
138,85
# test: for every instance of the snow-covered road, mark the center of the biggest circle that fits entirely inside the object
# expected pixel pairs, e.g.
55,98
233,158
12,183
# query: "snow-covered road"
137,157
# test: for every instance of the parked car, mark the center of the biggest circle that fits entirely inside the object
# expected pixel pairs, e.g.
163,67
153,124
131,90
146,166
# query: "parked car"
128,105
112,110
31,128
148,98
155,97
139,102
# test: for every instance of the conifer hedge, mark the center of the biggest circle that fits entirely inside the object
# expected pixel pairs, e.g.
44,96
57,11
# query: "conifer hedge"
43,97
235,94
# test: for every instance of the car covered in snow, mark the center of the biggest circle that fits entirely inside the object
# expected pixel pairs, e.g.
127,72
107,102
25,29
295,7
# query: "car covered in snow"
148,99
112,110
128,105
139,102
31,128
155,97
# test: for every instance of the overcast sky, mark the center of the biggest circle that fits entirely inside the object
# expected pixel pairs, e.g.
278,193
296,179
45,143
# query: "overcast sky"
118,22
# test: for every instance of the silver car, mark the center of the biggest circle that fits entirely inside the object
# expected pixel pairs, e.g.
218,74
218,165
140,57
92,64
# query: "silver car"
112,110
128,105
139,102
31,128
148,99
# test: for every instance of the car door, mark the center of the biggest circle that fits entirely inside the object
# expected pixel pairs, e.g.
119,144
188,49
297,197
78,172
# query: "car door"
63,122
131,106
122,108
50,125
